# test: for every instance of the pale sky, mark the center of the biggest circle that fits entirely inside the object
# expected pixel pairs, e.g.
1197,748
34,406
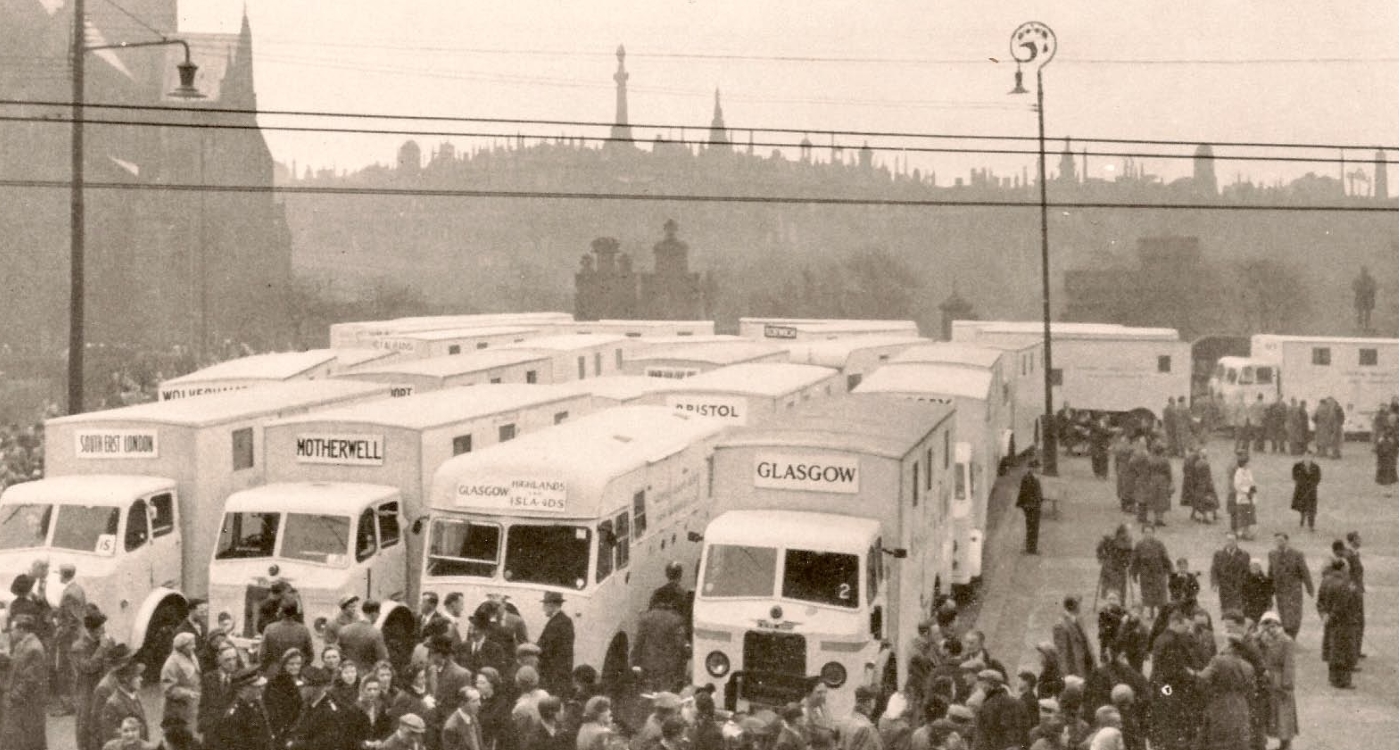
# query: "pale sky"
1294,71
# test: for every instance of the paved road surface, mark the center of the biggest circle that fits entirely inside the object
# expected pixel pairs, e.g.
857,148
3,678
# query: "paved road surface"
1022,593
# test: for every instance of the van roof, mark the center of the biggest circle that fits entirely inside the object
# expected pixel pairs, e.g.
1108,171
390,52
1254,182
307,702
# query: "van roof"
347,358
793,529
616,387
232,406
874,424
755,379
568,342
276,366
1292,338
436,408
826,321
316,498
586,453
1069,331
1244,361
837,352
75,490
713,352
457,364
447,334
951,353
926,378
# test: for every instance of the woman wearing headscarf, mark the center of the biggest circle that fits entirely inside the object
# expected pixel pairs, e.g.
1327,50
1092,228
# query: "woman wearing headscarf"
282,696
497,729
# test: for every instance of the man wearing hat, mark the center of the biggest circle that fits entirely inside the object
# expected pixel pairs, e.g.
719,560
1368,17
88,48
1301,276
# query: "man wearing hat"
72,605
661,649
86,657
1029,499
349,612
1071,643
117,657
285,634
27,688
125,702
408,735
446,678
1001,723
673,591
857,732
664,705
322,723
243,724
270,609
556,646
180,680
477,650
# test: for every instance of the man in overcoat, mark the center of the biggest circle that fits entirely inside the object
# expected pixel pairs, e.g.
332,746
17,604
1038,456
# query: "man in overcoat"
1122,457
1076,657
1029,498
243,724
1227,683
1228,568
1339,604
1358,577
1307,475
88,657
180,681
26,690
1289,571
660,650
72,605
556,646
1151,568
1175,706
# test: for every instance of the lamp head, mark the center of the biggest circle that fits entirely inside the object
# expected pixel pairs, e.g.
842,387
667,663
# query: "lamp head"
186,90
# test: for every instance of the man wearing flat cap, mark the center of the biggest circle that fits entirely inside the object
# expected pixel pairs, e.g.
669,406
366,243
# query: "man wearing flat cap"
349,612
1002,722
408,735
27,689
180,680
556,646
322,723
243,724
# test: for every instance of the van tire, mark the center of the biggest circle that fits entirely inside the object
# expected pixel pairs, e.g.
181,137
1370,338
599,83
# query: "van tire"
616,676
159,634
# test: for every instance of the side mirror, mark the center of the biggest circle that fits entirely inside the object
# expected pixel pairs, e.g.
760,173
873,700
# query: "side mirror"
417,527
694,536
877,622
898,554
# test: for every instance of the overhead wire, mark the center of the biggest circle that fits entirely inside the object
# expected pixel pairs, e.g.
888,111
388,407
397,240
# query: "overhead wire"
685,197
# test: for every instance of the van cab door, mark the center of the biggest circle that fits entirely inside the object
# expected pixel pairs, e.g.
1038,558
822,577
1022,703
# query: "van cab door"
389,577
165,540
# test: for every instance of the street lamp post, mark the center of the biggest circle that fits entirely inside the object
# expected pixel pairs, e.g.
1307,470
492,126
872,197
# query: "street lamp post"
1033,43
77,209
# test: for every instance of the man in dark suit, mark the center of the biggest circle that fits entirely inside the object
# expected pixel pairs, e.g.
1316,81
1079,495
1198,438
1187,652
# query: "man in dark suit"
427,613
218,690
479,651
361,642
243,724
556,646
446,678
1028,499
196,623
1076,657
285,634
1228,569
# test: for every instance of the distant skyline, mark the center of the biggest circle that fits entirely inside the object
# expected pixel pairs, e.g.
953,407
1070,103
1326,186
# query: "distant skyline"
1290,71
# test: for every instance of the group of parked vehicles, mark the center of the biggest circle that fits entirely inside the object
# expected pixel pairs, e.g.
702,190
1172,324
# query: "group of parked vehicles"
824,481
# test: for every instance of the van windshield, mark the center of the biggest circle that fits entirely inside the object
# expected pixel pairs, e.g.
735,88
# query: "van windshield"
464,548
829,578
548,554
24,526
316,538
733,570
86,528
247,535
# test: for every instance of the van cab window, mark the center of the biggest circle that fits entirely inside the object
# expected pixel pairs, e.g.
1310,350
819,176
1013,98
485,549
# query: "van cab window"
1264,375
87,528
24,526
137,525
606,543
388,524
163,518
366,543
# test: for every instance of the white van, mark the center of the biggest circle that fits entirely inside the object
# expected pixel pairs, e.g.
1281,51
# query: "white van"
363,332
805,329
678,361
577,356
132,497
854,356
452,341
385,453
646,329
749,393
261,369
593,509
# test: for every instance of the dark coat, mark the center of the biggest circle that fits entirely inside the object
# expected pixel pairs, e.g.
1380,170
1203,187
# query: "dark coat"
450,682
242,725
1122,457
660,649
487,654
1030,495
1139,468
1198,485
1228,569
1175,705
361,728
1001,722
323,725
1256,595
557,654
1289,571
120,706
363,644
104,689
282,702
215,698
1226,683
1340,603
281,636
26,693
87,659
1159,484
1151,567
1307,475
1072,645
1098,689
